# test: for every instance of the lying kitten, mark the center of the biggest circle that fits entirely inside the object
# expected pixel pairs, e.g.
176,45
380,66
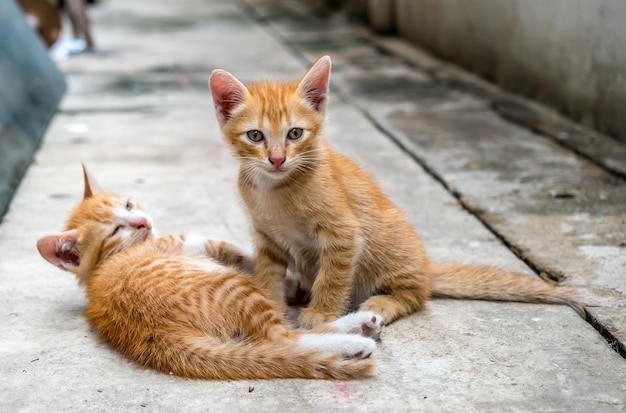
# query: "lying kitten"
165,306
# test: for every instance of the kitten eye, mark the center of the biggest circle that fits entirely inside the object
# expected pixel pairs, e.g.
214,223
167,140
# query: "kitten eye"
255,135
116,230
295,133
130,205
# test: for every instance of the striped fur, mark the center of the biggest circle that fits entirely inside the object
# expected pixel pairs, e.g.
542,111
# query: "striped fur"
190,315
319,215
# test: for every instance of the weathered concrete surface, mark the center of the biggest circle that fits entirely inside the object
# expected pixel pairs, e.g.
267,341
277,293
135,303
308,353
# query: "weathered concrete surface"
567,53
601,149
139,115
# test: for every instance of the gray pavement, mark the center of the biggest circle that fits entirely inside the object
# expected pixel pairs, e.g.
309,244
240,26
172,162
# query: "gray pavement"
140,115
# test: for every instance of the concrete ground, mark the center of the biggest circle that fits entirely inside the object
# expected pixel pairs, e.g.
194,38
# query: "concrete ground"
475,186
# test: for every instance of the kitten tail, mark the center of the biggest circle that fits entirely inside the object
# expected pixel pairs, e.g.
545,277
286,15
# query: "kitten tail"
490,283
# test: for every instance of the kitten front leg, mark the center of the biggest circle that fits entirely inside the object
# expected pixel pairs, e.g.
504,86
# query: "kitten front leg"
194,245
270,269
229,254
329,295
224,252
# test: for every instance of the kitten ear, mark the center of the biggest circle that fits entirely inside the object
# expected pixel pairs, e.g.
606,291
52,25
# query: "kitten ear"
60,249
228,93
91,185
314,85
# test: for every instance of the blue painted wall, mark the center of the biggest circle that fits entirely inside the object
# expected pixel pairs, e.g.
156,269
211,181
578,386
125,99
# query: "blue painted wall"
31,88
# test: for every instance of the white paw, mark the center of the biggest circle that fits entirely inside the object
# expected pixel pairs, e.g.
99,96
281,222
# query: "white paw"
348,345
365,323
357,347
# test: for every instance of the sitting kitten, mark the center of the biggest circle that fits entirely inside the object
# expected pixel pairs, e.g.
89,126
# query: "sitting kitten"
166,307
318,214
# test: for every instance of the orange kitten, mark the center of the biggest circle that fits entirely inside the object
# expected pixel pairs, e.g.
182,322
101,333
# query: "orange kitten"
318,214
168,304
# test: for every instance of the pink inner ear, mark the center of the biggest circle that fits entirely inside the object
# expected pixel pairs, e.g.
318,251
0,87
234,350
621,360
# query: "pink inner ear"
314,85
227,92
59,249
68,257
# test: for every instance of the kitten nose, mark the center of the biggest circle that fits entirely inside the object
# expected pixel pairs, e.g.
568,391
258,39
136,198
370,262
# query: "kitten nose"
142,223
277,161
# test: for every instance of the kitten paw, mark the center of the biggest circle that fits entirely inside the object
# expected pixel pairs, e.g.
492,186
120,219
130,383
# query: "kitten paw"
359,349
227,253
348,345
373,326
365,323
213,248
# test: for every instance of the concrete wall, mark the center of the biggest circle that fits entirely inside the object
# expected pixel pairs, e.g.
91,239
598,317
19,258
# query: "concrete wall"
569,54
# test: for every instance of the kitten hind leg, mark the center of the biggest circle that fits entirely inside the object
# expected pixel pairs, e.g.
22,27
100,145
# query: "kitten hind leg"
392,307
350,336
401,293
348,345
